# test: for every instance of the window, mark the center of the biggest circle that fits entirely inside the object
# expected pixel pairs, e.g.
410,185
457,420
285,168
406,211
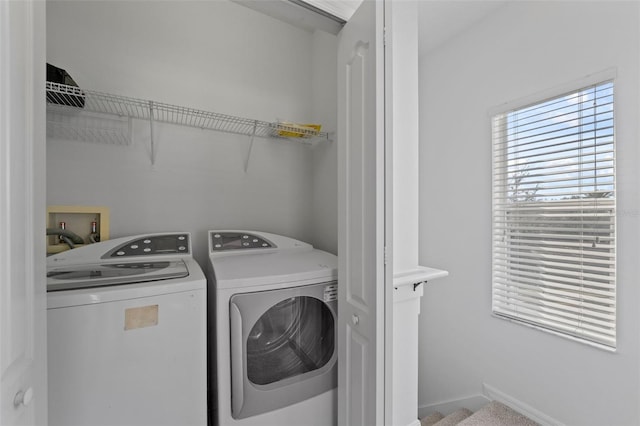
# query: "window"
554,261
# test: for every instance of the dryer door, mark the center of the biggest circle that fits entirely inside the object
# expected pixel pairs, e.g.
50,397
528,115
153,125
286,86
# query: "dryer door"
283,347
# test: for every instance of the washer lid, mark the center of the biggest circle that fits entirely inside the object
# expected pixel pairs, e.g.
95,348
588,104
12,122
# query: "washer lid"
90,275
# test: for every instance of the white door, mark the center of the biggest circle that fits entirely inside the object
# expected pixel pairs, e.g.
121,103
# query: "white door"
361,226
23,386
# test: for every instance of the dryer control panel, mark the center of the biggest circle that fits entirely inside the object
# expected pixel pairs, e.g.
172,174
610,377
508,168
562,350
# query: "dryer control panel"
221,241
226,242
152,245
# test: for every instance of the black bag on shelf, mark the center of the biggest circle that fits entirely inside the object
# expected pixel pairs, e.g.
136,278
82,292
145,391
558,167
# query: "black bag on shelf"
58,75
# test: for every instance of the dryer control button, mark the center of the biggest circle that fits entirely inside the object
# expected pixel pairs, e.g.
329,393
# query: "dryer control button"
120,253
134,246
182,248
146,250
147,241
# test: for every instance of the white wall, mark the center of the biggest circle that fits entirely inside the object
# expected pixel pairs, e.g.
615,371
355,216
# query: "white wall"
522,49
324,70
216,56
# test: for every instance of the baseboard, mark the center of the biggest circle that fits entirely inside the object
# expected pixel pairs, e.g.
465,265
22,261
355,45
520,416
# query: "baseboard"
472,403
494,394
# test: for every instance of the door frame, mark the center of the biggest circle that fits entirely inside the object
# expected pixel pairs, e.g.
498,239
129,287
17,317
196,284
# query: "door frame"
23,355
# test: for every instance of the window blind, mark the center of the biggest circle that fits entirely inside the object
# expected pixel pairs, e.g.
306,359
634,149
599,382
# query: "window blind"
554,243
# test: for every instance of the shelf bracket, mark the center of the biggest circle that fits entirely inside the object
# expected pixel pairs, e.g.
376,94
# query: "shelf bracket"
253,135
151,124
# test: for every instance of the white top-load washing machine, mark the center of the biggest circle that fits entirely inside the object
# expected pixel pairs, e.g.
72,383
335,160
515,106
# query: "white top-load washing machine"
275,320
127,333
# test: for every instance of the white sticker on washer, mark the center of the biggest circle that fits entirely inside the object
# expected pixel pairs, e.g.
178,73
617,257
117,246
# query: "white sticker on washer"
140,317
330,292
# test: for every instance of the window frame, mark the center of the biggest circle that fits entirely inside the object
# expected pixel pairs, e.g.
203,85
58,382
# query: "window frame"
499,121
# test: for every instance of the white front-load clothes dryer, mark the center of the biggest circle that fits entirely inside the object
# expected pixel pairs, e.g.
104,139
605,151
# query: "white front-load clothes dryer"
275,320
126,323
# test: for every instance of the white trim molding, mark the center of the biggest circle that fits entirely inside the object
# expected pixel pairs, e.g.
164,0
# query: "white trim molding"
472,403
494,394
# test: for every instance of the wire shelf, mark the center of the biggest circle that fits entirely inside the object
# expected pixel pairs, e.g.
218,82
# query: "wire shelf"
73,98
87,126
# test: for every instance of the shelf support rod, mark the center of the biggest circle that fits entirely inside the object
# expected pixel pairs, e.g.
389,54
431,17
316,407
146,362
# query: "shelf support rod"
153,146
253,135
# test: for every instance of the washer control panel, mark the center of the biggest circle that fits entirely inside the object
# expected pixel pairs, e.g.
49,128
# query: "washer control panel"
153,245
221,241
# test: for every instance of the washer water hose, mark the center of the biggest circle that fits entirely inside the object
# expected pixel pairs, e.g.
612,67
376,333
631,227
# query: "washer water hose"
70,238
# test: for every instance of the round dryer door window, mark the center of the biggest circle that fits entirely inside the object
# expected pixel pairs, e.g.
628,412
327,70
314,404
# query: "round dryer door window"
283,346
293,337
